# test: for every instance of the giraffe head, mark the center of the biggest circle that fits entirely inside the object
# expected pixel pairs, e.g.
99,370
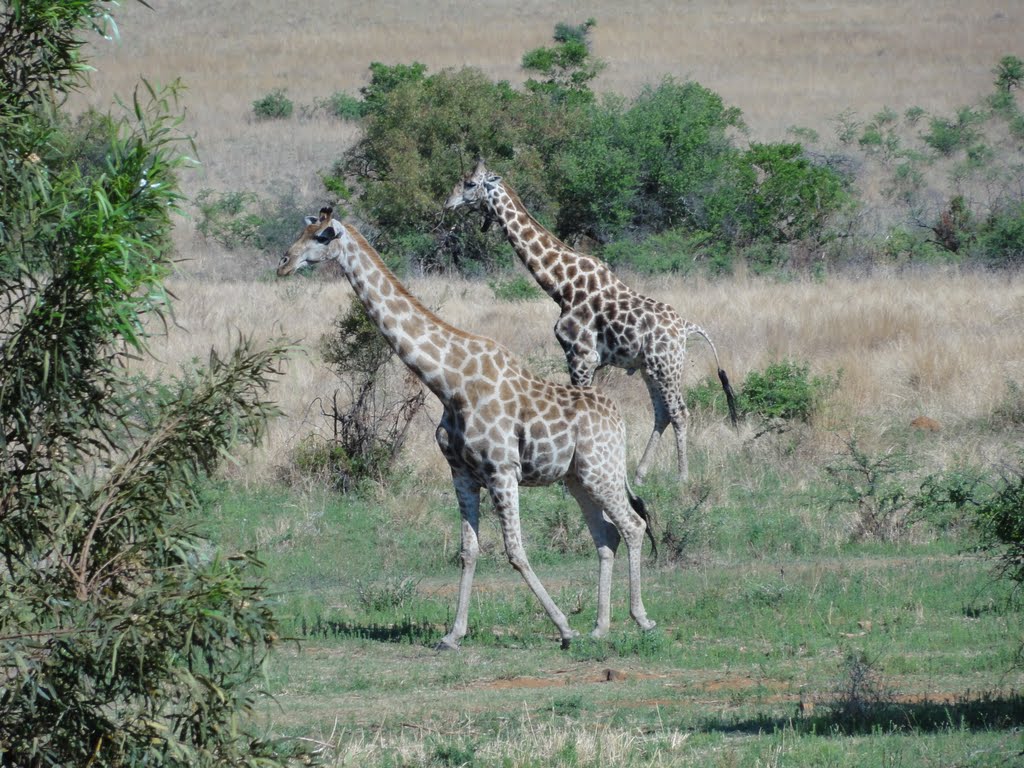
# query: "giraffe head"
474,190
311,245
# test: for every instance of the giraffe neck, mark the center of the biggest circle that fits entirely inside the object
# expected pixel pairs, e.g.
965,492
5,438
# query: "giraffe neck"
552,263
420,338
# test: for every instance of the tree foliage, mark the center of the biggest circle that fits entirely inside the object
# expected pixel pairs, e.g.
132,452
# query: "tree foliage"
124,638
613,169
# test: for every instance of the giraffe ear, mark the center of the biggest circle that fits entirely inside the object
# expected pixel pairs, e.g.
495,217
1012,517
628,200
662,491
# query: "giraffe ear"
311,220
326,235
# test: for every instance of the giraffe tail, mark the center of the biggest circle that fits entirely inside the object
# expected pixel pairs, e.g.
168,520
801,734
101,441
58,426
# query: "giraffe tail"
648,517
730,396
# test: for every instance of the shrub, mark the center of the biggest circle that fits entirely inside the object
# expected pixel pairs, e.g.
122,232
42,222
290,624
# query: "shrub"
518,288
999,241
1001,522
244,220
566,69
706,395
947,136
949,500
369,421
1009,73
344,106
1009,411
387,594
671,251
872,487
861,694
792,198
384,79
274,106
784,390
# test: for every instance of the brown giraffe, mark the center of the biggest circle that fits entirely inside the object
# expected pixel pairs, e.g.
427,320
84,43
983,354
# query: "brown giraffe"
501,428
603,321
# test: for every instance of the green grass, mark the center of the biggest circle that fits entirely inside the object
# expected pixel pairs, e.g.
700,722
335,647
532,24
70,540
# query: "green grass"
779,642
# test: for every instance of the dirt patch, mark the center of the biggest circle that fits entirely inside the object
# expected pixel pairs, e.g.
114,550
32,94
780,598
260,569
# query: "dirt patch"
565,677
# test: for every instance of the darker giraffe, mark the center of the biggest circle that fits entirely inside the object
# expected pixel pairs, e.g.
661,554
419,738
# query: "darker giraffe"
603,321
502,428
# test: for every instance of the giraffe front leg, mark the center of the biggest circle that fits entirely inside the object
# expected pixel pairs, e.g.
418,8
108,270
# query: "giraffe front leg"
505,494
468,494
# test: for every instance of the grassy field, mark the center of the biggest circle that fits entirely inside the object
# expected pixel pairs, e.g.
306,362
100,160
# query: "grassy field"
783,639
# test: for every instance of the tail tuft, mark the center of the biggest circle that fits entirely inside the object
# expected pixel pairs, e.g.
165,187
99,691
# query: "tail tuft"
729,396
641,509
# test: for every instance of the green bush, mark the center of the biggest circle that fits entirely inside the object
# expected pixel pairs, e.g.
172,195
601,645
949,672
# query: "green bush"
244,220
612,170
784,390
1009,73
384,79
689,173
274,106
518,288
949,500
873,488
999,241
948,136
793,199
1001,522
566,68
671,251
368,418
345,106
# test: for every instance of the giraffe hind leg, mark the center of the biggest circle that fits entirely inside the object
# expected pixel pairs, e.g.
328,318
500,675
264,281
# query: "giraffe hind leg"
661,422
606,540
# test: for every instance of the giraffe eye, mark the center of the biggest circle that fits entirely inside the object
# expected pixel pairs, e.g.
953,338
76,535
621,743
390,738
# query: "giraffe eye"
470,184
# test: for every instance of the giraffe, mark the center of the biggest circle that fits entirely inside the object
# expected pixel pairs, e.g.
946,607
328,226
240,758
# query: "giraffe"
501,428
603,321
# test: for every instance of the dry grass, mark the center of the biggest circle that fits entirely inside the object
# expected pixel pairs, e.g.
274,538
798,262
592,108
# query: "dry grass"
939,345
781,63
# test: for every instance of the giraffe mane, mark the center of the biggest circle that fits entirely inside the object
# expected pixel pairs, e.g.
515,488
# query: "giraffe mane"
400,288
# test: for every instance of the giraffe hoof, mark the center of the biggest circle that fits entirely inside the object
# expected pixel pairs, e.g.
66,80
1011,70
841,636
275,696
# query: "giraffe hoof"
646,624
567,639
447,645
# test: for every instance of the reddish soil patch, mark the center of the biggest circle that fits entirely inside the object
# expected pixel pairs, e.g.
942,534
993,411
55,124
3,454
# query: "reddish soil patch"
564,677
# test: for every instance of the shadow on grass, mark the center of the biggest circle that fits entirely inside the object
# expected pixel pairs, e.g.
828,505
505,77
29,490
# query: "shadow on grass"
983,713
406,631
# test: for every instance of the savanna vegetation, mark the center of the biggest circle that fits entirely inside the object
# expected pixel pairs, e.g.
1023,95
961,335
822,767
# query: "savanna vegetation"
837,585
